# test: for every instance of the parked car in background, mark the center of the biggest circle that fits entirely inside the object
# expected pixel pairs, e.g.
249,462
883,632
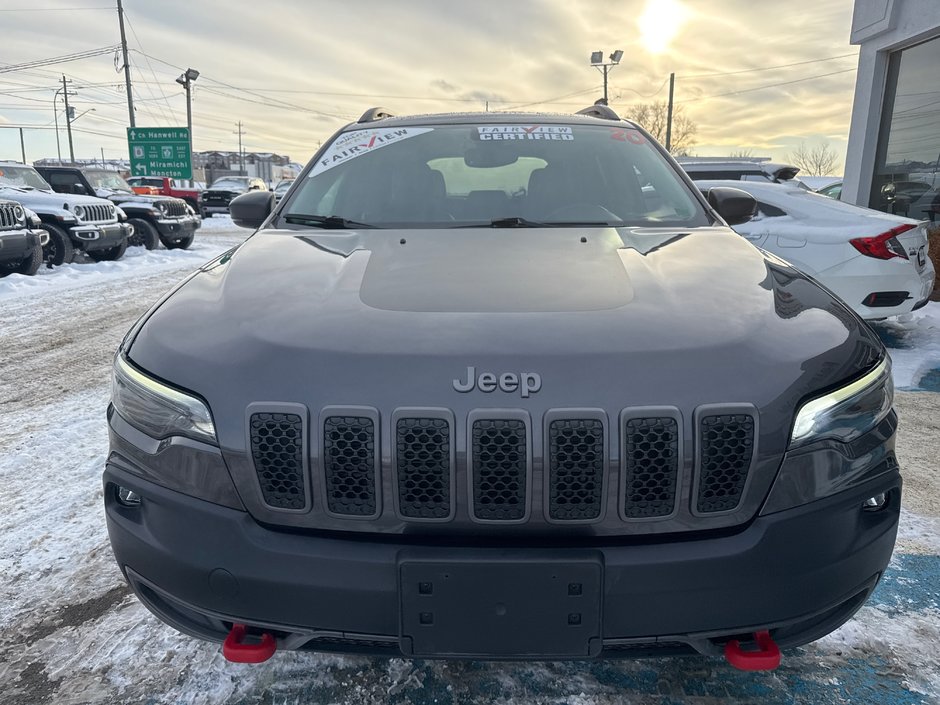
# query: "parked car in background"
184,189
281,188
74,221
876,262
833,191
759,170
20,240
155,219
216,198
501,385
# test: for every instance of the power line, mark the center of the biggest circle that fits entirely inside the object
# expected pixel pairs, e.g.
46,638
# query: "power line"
760,88
769,68
6,68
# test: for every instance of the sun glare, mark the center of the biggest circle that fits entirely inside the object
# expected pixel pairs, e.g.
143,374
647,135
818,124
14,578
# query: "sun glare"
660,23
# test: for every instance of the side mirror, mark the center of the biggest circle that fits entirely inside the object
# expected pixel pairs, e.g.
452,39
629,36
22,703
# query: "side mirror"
733,204
251,209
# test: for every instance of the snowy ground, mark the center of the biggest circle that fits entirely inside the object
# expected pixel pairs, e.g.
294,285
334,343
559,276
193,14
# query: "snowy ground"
70,633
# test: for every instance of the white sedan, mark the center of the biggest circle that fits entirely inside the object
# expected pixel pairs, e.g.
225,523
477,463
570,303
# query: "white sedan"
876,262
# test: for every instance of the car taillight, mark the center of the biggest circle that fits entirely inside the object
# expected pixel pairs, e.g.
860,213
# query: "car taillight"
884,246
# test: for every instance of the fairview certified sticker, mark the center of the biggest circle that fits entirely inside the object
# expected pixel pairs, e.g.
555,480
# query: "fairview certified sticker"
525,132
355,144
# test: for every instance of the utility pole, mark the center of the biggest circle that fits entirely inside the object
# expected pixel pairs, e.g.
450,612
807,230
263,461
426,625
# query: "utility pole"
127,66
22,145
186,81
241,153
68,118
672,84
102,156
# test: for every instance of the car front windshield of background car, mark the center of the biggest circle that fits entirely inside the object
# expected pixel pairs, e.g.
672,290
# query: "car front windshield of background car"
22,177
236,184
107,180
465,175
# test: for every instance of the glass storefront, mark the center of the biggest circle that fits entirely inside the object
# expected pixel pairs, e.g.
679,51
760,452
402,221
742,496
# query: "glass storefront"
907,166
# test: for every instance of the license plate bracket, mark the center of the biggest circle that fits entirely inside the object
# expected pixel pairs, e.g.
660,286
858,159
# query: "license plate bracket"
518,605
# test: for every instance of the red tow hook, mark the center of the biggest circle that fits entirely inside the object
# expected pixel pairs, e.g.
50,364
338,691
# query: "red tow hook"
765,658
236,650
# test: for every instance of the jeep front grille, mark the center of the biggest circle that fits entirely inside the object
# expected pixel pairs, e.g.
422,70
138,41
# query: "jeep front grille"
423,462
103,213
277,449
499,469
174,207
576,469
349,465
651,467
7,218
726,447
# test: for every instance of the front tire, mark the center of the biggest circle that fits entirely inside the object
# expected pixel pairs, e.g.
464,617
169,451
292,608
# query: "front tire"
59,250
31,264
206,214
112,253
144,234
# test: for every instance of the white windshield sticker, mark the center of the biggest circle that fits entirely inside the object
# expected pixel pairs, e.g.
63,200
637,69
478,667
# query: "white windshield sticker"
355,144
525,132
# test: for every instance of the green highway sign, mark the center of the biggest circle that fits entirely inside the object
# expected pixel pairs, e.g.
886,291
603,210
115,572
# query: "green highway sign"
160,151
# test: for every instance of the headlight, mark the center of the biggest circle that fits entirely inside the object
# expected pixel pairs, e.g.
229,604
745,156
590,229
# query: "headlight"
847,412
79,212
156,409
19,215
162,207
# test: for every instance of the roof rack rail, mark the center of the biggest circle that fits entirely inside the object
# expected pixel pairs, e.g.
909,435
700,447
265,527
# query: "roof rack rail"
599,110
373,114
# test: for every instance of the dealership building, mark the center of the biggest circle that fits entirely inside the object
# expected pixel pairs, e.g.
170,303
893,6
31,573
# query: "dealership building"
894,141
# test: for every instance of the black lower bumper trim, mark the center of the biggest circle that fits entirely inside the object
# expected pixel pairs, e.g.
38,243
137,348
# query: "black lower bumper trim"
801,572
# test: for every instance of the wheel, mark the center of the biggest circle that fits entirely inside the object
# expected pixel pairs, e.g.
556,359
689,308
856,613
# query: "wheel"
59,250
206,214
144,234
31,264
112,253
179,244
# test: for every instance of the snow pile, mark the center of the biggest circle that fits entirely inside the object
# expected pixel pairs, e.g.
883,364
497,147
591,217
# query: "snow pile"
914,344
220,224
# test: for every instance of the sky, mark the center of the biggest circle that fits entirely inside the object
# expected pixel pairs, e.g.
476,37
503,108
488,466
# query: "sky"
294,71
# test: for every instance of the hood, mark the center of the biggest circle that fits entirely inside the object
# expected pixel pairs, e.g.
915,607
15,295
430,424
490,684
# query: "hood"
607,318
36,199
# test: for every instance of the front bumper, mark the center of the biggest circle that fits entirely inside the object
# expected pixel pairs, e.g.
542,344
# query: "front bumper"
799,573
178,228
16,245
99,237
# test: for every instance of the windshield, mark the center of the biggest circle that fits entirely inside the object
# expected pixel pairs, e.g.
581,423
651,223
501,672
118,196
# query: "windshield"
22,177
106,179
282,186
511,174
230,184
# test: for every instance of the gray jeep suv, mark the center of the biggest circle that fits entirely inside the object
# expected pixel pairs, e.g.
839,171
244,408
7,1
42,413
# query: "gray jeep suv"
501,386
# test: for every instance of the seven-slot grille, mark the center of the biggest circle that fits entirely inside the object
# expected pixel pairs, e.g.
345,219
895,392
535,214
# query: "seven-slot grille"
95,213
349,465
575,468
726,447
651,467
174,207
423,462
8,220
277,449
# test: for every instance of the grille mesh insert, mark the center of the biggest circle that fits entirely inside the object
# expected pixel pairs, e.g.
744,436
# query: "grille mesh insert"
277,448
349,465
423,462
726,448
499,469
576,469
651,465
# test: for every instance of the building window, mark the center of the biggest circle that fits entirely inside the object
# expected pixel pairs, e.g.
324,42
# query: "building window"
907,163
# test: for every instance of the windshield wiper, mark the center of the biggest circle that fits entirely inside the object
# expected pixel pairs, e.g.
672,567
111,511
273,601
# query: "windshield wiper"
330,222
518,222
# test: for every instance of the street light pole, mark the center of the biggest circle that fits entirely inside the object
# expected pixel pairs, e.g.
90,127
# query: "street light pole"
186,80
597,61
